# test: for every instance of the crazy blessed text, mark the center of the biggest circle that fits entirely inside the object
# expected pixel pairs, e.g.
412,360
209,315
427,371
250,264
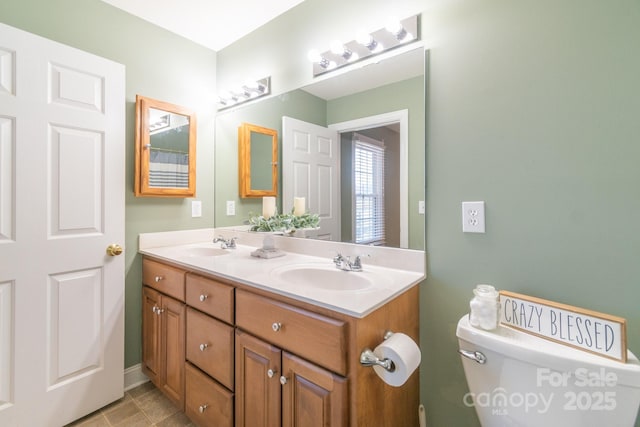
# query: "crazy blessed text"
548,320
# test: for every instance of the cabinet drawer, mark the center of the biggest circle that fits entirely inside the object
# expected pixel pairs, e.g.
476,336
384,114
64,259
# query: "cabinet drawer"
210,296
312,336
207,402
210,346
166,279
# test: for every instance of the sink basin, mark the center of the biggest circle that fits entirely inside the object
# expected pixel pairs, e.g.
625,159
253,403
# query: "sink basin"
204,251
322,277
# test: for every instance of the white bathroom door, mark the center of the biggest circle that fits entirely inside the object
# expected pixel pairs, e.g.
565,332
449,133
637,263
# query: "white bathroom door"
311,169
61,204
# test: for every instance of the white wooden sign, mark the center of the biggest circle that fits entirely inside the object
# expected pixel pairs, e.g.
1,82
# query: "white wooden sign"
583,329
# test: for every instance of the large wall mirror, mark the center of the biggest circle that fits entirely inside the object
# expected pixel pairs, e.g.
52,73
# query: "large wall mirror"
381,102
165,149
257,160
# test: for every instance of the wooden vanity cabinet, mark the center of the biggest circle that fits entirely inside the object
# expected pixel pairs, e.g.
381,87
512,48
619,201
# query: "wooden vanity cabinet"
252,358
271,381
276,388
210,351
163,323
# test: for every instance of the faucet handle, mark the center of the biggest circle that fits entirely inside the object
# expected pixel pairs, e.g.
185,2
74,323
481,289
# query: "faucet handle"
232,243
357,262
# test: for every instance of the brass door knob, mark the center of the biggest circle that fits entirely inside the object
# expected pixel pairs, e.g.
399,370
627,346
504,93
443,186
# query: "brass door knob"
114,250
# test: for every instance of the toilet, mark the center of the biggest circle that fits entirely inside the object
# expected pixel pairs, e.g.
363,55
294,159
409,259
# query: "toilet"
518,379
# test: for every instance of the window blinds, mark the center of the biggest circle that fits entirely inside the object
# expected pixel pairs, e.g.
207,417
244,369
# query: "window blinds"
368,166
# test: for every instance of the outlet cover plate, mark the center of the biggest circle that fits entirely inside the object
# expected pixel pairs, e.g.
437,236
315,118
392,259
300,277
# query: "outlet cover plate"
473,217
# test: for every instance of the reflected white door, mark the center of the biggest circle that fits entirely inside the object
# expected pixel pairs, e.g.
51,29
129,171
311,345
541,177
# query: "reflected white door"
311,169
61,204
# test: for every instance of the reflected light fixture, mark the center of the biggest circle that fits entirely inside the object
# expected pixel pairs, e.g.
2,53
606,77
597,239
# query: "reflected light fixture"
366,44
340,49
315,57
248,91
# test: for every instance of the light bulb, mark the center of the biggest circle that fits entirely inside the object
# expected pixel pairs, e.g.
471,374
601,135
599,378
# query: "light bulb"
314,56
337,47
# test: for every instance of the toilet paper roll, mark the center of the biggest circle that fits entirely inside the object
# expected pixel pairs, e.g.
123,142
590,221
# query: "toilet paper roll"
405,355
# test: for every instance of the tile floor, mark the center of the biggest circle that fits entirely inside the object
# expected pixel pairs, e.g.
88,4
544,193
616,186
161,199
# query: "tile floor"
141,406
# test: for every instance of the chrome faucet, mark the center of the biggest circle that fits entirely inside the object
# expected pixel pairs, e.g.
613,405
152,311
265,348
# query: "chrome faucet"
226,244
344,263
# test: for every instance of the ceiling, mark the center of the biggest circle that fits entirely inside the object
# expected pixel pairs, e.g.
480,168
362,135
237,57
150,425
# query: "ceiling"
211,23
216,24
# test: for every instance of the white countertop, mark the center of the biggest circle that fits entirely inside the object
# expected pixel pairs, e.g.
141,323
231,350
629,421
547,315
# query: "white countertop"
388,272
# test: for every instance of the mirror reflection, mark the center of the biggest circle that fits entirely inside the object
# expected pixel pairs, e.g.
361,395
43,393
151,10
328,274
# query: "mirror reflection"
165,149
352,105
257,160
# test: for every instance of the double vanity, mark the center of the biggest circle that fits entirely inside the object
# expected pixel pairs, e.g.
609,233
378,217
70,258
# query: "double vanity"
237,340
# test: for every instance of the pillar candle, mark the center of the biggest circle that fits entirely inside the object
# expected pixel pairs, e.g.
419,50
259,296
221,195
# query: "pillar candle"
268,207
298,206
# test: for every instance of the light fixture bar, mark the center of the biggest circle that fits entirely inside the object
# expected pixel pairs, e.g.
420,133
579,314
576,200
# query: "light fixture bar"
244,93
366,45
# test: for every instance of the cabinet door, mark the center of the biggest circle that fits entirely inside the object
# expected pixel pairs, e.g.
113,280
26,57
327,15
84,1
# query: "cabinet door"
312,396
173,349
258,390
151,334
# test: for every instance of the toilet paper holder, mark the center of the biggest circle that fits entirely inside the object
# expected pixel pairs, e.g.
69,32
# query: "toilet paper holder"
369,358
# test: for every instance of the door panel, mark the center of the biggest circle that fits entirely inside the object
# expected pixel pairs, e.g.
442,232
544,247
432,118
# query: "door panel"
61,132
311,169
312,396
257,390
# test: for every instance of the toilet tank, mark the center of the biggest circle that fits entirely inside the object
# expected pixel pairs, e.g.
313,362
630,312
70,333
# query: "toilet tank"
529,381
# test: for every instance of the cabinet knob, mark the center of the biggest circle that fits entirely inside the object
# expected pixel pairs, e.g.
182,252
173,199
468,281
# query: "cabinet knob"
158,278
271,373
202,408
154,309
283,380
203,347
276,326
159,311
203,297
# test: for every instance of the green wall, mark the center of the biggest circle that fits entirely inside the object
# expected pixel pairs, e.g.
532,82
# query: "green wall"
159,65
533,108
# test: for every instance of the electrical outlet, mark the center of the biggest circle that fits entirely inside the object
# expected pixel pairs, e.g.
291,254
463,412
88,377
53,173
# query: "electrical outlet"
421,206
473,217
231,208
196,208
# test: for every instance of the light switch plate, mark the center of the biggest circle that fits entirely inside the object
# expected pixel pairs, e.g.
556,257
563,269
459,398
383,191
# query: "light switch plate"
231,208
196,208
421,206
473,217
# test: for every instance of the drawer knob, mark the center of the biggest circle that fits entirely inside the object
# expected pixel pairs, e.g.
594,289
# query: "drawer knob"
283,380
203,347
276,326
203,297
271,373
158,278
202,408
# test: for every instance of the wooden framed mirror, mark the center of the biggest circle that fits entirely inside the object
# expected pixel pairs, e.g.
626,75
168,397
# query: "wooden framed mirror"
165,149
257,161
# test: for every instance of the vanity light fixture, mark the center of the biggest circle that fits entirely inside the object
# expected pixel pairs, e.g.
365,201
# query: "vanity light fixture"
340,49
399,32
315,57
246,92
395,34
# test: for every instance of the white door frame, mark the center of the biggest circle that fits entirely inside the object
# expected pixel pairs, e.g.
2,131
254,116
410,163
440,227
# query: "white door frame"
380,120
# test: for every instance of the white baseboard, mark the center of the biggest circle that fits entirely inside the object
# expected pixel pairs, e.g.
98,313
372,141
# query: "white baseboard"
133,377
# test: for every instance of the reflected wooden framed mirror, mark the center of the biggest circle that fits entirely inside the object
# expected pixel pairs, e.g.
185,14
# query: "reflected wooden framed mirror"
165,149
257,161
